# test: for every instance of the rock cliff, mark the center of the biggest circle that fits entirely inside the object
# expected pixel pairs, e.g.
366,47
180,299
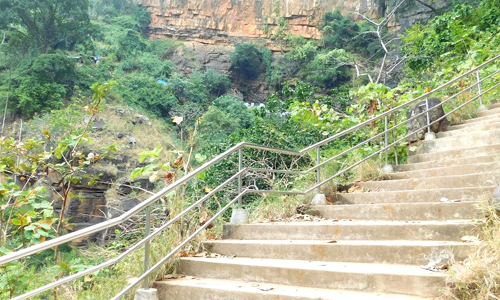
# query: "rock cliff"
231,21
227,21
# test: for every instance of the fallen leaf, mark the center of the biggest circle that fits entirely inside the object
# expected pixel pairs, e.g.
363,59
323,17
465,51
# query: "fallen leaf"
210,236
469,239
331,242
355,189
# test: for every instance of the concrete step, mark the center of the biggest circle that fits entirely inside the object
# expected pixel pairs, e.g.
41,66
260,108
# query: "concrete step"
430,211
479,119
468,130
470,152
457,162
375,278
487,167
189,288
425,183
356,251
430,195
353,230
494,105
474,123
480,138
492,110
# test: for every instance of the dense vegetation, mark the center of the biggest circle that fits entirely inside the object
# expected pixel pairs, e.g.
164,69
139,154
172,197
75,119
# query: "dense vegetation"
50,68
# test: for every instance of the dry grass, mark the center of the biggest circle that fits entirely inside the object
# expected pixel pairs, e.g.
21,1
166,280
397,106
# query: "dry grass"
147,137
478,277
369,171
272,207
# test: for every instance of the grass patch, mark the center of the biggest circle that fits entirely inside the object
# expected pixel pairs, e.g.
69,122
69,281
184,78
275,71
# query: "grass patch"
478,277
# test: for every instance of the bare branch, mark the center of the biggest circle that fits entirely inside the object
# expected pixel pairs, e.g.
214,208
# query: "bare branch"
428,6
381,68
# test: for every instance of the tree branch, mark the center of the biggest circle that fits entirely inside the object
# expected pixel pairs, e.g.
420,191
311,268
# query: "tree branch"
428,6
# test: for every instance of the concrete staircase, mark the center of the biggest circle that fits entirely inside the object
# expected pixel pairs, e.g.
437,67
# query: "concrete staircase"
371,245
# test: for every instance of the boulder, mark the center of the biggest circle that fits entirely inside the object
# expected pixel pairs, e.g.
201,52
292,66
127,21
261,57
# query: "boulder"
421,121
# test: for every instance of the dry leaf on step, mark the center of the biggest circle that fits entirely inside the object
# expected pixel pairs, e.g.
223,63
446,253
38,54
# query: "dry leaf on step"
210,236
469,239
355,189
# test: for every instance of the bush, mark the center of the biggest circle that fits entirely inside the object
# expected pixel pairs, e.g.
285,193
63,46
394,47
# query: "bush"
247,61
145,92
216,83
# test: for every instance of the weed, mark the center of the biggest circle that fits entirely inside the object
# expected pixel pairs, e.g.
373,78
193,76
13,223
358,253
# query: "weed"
478,277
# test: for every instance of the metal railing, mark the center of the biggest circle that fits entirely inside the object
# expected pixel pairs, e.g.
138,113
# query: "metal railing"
239,175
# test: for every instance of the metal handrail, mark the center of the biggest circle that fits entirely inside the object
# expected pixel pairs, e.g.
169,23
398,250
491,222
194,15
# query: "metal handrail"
238,176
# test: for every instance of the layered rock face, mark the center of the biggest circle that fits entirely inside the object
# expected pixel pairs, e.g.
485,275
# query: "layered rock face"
228,21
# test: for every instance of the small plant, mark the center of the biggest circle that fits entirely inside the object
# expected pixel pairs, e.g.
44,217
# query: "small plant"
478,277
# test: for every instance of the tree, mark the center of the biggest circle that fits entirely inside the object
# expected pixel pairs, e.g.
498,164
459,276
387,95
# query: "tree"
47,24
247,60
216,83
47,81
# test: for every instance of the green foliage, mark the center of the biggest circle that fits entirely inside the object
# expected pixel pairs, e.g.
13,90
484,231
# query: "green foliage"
163,48
130,43
147,63
247,60
27,216
341,32
47,82
46,25
237,109
451,39
145,92
32,97
216,83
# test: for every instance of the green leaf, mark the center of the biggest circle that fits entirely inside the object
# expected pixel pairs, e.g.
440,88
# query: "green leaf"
136,172
200,157
201,175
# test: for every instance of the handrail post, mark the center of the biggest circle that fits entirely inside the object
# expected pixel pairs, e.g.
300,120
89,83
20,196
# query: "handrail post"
318,172
147,293
387,168
240,165
481,107
318,199
429,135
428,116
386,141
239,215
147,246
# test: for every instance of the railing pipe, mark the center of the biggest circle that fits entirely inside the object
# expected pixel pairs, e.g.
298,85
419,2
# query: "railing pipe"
478,76
318,169
428,116
129,250
146,204
390,111
147,246
176,249
240,165
386,123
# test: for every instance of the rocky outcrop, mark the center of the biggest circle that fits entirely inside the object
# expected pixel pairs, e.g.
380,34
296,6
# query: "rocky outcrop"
229,21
